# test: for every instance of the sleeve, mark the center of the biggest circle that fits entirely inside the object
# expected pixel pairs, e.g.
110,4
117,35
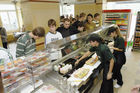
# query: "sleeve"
60,36
107,54
92,49
20,49
47,40
121,43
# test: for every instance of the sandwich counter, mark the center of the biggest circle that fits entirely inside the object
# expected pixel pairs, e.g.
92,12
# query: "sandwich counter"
36,73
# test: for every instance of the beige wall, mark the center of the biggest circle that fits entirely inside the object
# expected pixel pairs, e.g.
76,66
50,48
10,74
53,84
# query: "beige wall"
88,8
37,14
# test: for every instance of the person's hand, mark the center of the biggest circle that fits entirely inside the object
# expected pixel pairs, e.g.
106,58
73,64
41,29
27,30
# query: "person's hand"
109,76
111,47
135,89
77,62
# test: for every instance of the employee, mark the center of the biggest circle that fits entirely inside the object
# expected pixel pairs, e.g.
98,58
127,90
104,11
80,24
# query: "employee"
119,54
107,60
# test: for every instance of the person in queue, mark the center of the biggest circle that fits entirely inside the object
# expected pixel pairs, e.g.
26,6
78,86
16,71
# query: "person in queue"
26,43
89,24
66,29
82,18
96,20
52,36
107,60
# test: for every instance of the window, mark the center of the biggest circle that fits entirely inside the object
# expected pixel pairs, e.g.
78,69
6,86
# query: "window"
9,17
67,10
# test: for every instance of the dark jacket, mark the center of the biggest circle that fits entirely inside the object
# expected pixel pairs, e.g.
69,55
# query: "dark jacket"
3,34
66,32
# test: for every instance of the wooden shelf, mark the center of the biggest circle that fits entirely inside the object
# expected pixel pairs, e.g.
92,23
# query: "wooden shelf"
137,36
122,24
116,19
123,29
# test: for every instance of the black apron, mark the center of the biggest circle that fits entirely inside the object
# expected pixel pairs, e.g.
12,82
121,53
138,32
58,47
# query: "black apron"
107,85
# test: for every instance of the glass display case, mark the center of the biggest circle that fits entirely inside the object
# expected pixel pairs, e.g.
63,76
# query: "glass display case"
36,73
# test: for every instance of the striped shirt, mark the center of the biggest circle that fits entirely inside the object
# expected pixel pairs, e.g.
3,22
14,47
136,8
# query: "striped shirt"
25,45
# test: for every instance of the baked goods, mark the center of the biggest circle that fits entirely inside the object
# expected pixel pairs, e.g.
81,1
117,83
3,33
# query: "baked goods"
65,69
91,61
81,73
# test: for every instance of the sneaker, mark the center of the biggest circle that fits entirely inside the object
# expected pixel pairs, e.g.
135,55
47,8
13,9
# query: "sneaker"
114,80
117,86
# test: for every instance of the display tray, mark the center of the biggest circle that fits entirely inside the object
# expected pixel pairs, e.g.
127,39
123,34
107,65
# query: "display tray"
74,67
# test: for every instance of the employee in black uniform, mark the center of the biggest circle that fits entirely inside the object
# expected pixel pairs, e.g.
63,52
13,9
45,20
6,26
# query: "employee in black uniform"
119,54
107,60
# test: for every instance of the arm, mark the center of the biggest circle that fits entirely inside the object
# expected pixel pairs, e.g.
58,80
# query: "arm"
109,75
47,40
117,49
111,65
20,49
84,56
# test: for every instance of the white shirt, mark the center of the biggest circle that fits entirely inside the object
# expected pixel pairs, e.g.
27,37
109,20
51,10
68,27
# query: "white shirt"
50,37
96,23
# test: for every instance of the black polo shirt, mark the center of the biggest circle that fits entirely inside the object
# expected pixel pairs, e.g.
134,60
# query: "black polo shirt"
103,52
119,43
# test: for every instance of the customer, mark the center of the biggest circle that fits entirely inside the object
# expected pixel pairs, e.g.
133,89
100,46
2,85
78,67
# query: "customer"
26,43
107,60
66,29
96,20
61,20
119,53
73,21
3,36
52,36
89,24
77,17
79,29
82,18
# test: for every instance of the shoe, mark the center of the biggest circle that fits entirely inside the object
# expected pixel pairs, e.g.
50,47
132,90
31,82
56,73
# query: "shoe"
117,86
114,80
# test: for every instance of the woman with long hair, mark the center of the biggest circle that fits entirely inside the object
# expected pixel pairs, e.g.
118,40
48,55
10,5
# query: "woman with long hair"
119,54
89,22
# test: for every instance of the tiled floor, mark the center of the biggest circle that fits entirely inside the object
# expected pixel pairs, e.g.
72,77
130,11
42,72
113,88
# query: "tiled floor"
130,72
